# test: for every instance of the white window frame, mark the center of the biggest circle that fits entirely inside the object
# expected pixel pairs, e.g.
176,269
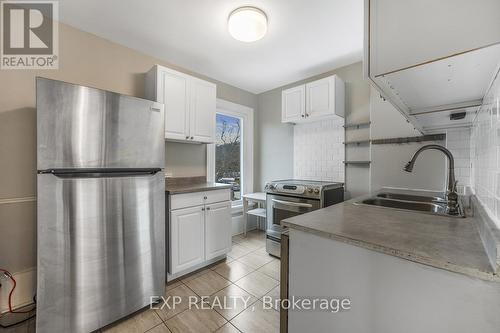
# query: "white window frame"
246,114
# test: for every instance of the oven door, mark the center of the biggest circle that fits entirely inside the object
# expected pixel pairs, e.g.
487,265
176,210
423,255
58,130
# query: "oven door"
280,207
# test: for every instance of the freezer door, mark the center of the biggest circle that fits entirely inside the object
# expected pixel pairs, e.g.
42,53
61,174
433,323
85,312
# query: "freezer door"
82,127
101,249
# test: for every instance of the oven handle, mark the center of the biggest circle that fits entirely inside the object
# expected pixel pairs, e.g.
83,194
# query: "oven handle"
293,204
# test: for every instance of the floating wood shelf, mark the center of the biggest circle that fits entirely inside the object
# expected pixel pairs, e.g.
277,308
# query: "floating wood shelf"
423,138
358,162
357,126
358,142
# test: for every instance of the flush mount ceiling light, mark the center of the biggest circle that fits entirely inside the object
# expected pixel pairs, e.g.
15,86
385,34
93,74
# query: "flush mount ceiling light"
247,24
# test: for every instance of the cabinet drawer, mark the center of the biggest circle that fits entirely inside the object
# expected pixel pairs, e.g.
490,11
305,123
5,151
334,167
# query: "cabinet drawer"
187,200
217,196
178,201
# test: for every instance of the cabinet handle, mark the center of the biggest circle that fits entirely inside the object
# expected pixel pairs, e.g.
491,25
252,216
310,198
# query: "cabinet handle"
208,208
187,137
203,209
302,115
192,138
205,198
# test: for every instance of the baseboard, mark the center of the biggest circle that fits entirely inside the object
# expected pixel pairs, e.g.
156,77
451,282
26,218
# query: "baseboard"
23,294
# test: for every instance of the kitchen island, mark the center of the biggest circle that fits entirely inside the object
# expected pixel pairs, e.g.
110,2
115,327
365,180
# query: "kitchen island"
403,271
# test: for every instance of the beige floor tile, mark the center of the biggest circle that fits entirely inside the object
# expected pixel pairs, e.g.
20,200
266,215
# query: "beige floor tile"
253,243
230,301
256,260
162,328
257,284
139,323
196,320
169,310
262,250
238,251
272,269
234,270
228,328
273,296
259,234
227,260
192,276
174,284
207,284
256,319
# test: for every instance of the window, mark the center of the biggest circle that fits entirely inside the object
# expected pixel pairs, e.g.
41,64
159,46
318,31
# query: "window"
228,153
230,158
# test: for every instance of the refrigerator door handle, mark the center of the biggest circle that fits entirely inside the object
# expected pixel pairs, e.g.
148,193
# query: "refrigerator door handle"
100,173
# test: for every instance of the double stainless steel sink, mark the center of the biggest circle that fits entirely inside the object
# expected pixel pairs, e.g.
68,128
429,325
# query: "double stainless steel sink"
415,201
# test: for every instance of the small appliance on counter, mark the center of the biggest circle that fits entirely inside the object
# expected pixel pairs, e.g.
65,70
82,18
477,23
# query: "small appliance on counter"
100,206
292,197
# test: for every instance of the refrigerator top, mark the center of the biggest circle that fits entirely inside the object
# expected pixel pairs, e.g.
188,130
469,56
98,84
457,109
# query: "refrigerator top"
83,127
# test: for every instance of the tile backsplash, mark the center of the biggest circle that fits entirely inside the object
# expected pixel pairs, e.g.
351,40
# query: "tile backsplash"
318,150
458,142
485,152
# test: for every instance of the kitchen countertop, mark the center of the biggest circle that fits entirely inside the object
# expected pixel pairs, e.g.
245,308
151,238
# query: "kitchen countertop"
444,242
194,187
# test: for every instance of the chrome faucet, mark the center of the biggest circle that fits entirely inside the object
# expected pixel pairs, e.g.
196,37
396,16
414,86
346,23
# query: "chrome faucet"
451,191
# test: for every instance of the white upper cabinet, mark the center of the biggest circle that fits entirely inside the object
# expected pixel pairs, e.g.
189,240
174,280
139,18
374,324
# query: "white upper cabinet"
314,101
202,111
293,104
190,104
428,57
325,97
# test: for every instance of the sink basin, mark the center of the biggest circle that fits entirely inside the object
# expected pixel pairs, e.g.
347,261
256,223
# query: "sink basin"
418,206
411,197
411,201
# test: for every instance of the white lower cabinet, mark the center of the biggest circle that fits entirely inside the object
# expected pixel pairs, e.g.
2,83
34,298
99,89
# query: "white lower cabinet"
198,233
217,229
187,237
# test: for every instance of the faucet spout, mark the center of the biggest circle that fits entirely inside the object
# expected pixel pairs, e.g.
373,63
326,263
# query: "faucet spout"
451,190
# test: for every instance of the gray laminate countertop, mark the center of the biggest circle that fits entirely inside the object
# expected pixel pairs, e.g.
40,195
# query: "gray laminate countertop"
197,187
444,242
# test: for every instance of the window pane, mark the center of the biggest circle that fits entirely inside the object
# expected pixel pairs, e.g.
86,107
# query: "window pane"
228,153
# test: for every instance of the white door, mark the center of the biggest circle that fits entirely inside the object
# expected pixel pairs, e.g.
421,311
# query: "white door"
174,93
320,97
202,111
187,238
293,104
217,229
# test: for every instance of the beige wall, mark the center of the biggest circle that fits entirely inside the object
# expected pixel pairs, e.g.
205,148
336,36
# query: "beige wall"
88,60
274,140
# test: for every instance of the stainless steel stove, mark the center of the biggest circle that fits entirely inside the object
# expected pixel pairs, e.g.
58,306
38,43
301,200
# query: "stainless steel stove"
292,197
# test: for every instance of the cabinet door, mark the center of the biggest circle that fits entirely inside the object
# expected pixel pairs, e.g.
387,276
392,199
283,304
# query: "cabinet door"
217,229
202,111
320,98
173,91
293,104
187,238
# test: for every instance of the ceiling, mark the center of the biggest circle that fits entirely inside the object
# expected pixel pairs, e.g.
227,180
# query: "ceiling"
304,38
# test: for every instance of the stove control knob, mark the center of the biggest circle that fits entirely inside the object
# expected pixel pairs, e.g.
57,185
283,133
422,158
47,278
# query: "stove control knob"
316,190
272,186
310,190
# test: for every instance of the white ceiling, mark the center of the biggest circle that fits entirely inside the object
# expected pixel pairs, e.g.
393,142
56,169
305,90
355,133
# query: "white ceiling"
305,37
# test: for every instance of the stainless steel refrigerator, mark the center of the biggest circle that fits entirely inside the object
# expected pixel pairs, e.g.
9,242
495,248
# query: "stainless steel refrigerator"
100,206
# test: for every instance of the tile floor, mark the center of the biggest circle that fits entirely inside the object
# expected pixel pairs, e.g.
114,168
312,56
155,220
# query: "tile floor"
248,271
